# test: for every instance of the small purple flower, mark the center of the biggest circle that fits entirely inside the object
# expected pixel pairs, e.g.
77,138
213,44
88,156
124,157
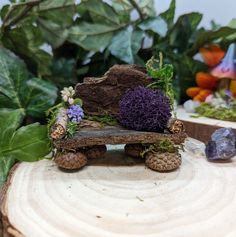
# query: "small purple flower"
75,113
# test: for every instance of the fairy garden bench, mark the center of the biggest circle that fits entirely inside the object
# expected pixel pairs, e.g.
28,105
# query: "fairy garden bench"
102,98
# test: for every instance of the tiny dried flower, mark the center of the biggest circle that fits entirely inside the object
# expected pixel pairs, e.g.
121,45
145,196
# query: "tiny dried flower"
71,101
75,113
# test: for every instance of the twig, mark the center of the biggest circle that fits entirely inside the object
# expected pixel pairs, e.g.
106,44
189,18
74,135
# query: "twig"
136,6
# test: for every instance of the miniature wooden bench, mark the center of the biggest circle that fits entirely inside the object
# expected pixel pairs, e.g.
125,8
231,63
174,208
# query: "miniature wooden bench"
101,96
90,143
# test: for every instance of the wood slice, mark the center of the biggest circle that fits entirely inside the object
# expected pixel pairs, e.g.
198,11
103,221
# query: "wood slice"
118,196
114,135
201,128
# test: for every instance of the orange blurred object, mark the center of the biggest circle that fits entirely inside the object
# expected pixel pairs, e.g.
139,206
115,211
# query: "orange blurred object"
202,95
206,80
193,91
212,55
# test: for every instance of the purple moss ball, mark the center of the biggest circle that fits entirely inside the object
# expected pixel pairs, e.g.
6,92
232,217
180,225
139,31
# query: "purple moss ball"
144,109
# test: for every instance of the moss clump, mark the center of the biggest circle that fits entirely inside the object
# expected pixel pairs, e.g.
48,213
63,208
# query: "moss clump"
208,110
163,146
103,119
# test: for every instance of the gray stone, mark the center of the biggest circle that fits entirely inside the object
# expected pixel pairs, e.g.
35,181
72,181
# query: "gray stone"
221,145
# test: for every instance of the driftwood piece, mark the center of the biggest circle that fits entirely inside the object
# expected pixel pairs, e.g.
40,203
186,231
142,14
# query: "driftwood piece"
118,196
114,135
102,95
58,130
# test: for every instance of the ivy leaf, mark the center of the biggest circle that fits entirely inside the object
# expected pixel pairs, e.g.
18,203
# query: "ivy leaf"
5,165
53,10
27,41
29,143
183,29
53,33
156,24
18,91
101,10
42,95
125,44
92,36
169,14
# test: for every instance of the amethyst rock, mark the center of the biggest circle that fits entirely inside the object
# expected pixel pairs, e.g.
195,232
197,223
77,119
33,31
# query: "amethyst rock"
221,145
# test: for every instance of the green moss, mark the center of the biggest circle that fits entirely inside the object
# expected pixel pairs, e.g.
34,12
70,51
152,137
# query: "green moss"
165,145
210,111
72,128
103,119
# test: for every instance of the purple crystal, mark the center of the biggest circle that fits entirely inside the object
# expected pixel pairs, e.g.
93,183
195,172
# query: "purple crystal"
221,145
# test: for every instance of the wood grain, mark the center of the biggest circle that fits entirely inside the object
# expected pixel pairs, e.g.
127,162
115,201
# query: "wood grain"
118,196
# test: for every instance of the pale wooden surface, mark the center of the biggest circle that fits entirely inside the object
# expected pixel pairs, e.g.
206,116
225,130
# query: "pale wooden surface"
120,197
201,128
184,116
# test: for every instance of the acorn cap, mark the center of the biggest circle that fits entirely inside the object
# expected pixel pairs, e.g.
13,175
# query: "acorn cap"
227,67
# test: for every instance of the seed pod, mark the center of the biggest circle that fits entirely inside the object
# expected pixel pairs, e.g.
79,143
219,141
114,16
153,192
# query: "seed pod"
175,126
70,160
96,152
133,150
163,161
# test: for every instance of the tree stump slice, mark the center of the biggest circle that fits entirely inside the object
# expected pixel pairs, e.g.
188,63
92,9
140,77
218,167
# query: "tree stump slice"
201,128
118,196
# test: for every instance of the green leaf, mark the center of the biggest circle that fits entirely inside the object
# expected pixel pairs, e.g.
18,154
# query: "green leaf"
183,30
53,10
42,96
125,44
206,37
10,120
92,36
147,7
26,41
18,91
5,165
156,24
53,33
169,14
50,5
30,143
100,9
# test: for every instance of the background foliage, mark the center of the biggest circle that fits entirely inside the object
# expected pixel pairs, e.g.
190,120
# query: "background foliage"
87,38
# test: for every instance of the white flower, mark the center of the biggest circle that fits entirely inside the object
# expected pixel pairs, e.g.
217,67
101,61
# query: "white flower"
71,101
67,93
65,98
71,90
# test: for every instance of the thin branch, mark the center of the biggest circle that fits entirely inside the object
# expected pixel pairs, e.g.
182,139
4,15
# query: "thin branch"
136,6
